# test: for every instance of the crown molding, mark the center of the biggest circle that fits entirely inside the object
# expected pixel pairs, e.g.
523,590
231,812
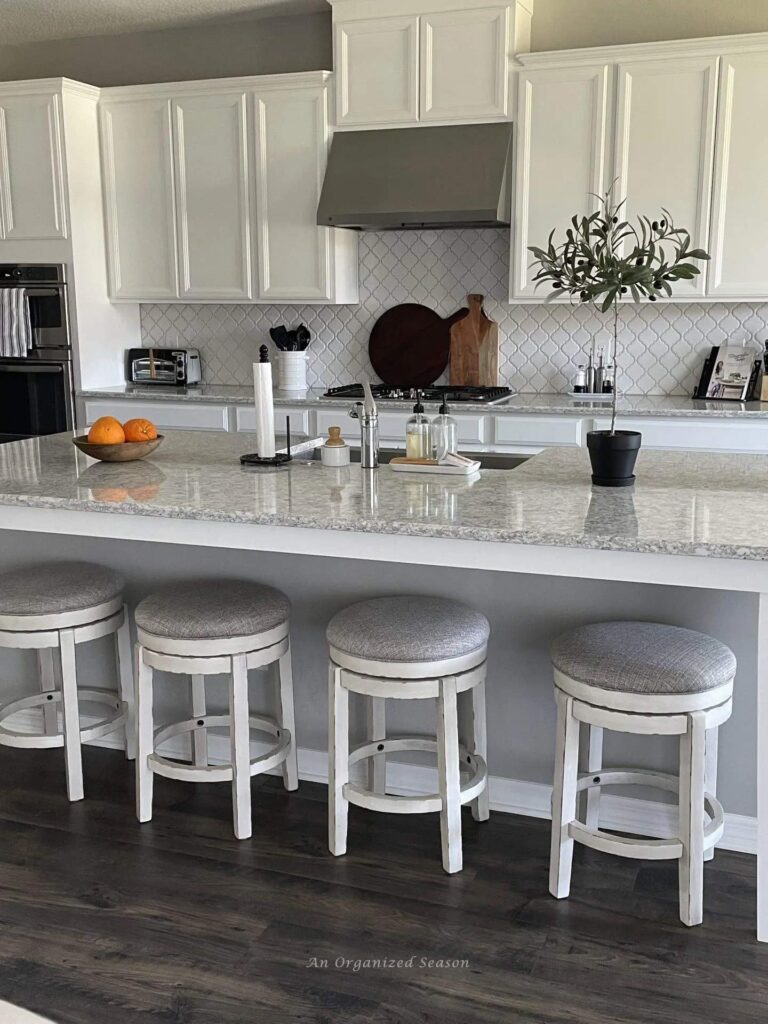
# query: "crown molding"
297,79
712,46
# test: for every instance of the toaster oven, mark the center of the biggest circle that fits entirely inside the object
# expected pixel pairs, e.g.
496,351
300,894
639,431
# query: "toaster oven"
178,367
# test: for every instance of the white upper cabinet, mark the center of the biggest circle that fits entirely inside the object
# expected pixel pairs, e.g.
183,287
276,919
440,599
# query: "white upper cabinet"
32,190
425,61
377,63
561,142
211,193
212,196
664,148
137,154
464,64
739,242
291,143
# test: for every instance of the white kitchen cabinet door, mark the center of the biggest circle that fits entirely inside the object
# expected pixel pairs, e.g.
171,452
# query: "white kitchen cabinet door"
560,159
377,71
137,157
665,139
295,255
464,64
165,415
212,196
739,240
32,204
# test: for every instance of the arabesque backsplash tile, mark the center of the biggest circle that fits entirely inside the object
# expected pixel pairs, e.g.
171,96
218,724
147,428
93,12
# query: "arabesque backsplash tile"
661,346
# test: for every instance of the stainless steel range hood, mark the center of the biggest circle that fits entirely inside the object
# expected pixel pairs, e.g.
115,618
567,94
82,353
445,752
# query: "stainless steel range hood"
452,176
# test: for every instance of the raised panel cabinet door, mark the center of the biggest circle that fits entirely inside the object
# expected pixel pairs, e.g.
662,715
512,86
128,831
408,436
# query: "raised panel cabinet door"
137,158
739,265
291,150
464,64
665,140
377,64
32,203
212,201
560,159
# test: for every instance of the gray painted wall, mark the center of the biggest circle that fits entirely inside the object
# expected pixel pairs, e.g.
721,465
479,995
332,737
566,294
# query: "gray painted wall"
524,611
262,46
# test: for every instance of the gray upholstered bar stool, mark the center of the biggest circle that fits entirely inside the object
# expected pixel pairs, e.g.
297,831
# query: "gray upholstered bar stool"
649,679
211,627
52,608
408,648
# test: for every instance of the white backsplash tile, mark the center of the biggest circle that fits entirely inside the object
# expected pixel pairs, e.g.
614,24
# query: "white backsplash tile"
661,346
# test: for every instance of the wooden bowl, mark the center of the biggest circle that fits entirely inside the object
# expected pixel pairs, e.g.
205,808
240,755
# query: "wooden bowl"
128,451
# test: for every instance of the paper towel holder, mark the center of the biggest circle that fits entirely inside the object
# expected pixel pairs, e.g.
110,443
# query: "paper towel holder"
278,459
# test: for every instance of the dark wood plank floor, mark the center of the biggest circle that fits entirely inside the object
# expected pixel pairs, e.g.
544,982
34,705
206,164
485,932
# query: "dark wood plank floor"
103,921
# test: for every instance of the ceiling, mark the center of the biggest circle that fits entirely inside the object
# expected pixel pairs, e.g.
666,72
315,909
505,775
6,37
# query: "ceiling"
27,21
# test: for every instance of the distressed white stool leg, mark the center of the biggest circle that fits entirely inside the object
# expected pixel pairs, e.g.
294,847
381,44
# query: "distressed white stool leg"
144,736
287,719
594,767
691,812
376,712
45,661
125,675
448,775
710,773
479,744
239,733
338,762
71,715
564,795
199,735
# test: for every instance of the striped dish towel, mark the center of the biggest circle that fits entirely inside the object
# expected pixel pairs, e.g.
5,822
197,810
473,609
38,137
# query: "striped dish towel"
15,328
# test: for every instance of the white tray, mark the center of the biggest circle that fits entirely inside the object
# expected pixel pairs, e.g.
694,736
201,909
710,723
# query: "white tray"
597,396
468,470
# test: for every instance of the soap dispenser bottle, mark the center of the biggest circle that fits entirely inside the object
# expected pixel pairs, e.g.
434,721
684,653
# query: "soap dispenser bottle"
444,433
418,433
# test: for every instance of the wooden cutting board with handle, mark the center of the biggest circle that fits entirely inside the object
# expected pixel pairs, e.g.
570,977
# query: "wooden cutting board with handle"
475,347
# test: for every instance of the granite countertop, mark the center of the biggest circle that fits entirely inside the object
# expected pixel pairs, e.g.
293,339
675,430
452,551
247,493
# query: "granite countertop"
683,503
529,404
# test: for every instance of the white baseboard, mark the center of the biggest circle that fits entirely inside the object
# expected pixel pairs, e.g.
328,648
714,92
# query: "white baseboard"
510,796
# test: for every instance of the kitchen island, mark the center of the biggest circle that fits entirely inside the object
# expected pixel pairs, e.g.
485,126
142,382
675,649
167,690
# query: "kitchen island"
688,544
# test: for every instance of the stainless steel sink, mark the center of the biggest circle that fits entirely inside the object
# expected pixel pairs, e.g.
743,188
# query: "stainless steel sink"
487,460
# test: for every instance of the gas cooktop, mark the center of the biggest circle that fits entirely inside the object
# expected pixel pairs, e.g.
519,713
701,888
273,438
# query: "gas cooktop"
436,393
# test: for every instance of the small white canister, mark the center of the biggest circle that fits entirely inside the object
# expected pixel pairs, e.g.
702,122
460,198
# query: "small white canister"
335,451
292,371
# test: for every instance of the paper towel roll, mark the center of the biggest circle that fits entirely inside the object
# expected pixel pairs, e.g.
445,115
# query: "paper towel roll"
265,409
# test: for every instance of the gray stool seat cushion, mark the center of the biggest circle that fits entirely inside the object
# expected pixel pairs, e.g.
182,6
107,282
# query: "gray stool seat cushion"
56,587
211,609
643,657
408,629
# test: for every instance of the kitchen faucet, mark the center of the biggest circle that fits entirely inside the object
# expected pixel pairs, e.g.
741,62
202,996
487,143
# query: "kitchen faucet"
368,415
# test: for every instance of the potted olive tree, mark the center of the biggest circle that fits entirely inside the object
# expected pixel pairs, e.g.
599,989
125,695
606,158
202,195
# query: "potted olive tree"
602,259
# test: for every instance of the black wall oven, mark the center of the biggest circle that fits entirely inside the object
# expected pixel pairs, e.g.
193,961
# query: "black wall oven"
36,390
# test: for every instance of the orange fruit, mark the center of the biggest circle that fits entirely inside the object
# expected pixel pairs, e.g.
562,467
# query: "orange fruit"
140,430
109,493
106,430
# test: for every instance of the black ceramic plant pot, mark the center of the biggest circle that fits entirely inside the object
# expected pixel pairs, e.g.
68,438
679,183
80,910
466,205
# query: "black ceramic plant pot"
613,456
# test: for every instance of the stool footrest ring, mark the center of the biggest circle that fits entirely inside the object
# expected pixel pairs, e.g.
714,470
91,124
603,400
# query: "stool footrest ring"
10,737
642,848
473,766
172,769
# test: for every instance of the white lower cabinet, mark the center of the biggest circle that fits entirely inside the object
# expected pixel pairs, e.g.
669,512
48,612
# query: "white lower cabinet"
683,434
539,431
169,415
245,419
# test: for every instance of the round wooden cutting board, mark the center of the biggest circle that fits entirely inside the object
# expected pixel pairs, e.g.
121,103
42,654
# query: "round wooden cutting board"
410,345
